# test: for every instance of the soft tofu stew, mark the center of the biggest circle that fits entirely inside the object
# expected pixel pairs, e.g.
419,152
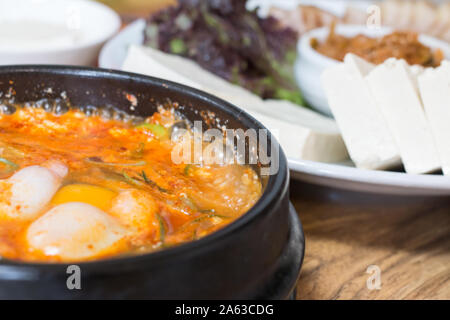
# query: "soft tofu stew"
79,186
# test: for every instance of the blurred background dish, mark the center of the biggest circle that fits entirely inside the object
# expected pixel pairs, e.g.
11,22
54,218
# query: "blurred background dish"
311,64
431,17
325,163
54,31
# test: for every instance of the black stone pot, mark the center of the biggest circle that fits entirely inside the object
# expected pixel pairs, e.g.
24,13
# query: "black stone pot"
256,257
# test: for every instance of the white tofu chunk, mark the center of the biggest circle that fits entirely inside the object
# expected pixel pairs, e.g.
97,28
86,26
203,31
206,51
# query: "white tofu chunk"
434,87
320,145
137,61
394,87
366,133
303,134
308,135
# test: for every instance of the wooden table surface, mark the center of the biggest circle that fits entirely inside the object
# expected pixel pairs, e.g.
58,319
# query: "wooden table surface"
346,232
407,238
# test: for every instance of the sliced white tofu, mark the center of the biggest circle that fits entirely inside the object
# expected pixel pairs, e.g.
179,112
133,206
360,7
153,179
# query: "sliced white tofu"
365,131
308,135
303,134
434,87
394,87
300,142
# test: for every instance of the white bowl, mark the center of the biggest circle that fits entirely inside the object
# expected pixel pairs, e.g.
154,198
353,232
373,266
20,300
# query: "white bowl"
54,31
310,64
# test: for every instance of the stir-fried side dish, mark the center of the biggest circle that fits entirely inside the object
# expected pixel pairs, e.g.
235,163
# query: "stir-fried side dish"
400,45
76,187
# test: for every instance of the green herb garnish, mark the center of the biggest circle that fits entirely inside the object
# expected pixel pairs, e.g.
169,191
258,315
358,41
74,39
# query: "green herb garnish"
152,183
130,180
100,162
178,46
10,164
162,228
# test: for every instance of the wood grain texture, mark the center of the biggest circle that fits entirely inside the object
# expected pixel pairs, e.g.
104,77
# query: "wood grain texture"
408,238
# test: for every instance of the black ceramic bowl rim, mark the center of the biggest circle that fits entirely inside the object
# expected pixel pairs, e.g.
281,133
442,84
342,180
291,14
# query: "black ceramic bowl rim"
277,183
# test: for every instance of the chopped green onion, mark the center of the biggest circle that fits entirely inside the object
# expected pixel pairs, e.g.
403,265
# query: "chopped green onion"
177,46
99,161
199,219
218,216
158,130
127,177
189,203
144,176
10,164
162,228
11,167
211,211
142,180
152,183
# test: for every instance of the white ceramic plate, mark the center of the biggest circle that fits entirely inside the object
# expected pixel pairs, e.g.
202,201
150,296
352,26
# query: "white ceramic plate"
344,176
338,175
54,31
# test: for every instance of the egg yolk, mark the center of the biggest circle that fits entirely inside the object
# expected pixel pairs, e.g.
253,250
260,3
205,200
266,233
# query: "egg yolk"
94,195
